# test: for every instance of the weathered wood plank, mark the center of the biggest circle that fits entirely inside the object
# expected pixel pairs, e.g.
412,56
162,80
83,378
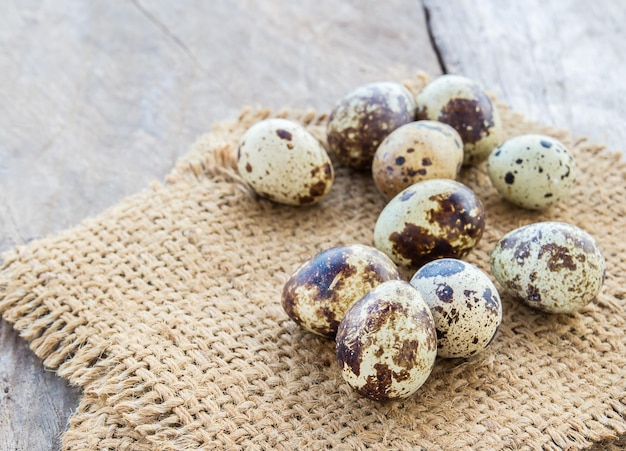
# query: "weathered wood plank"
557,62
97,98
34,403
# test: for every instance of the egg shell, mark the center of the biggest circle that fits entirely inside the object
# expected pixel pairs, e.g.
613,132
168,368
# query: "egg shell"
463,104
429,220
321,290
364,117
551,266
532,171
465,304
414,152
283,162
386,343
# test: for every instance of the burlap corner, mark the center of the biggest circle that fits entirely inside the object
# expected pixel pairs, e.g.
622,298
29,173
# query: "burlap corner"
165,309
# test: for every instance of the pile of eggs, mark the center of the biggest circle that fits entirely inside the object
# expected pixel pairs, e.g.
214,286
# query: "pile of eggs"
389,331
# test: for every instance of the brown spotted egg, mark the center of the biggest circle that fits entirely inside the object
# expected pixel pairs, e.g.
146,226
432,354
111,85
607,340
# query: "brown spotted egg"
321,290
430,220
364,117
465,305
283,162
532,171
551,266
386,343
416,151
463,104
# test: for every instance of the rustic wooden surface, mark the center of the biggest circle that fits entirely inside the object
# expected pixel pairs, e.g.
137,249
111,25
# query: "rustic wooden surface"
98,98
559,62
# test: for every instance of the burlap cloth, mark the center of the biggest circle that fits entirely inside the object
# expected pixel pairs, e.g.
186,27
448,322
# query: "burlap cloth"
166,310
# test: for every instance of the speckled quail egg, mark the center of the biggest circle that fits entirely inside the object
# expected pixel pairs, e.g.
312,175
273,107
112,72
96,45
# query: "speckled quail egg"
465,305
283,162
363,118
386,343
551,266
463,104
416,151
532,171
321,290
429,220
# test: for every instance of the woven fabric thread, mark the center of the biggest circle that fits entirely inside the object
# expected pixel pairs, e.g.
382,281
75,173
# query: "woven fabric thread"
166,310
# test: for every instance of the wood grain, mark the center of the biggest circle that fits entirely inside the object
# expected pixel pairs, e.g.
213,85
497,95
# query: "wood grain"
98,98
558,62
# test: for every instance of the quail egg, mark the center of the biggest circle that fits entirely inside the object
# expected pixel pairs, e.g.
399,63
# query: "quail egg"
416,151
532,171
283,162
363,118
386,343
430,220
551,266
465,305
321,290
463,104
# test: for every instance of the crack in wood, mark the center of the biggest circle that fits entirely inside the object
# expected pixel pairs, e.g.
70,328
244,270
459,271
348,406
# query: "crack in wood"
168,33
433,40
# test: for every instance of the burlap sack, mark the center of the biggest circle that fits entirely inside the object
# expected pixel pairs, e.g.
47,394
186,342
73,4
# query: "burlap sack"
166,310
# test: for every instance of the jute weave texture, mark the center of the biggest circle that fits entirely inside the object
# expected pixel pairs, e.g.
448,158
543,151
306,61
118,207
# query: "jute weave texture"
166,310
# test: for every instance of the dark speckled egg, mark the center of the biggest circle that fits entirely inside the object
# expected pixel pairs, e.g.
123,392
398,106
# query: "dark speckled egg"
285,163
464,105
322,289
363,118
550,266
465,305
417,151
429,220
532,171
386,343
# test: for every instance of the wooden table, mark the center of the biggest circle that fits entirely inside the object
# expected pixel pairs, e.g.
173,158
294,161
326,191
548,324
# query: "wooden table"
98,98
